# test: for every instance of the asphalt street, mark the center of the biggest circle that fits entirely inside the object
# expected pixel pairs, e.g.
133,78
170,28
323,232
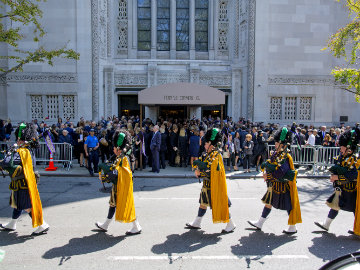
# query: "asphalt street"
163,206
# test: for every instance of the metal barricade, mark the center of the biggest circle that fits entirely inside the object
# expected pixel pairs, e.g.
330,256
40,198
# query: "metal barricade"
315,156
63,153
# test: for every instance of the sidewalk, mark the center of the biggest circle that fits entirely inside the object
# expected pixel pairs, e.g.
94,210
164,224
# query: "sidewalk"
169,172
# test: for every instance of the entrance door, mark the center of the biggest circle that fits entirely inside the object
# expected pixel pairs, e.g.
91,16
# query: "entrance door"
175,112
128,105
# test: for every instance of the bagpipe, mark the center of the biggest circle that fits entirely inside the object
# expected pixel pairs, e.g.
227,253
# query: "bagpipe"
271,168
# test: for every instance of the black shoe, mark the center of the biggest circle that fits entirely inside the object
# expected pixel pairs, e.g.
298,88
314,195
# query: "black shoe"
133,233
256,227
227,232
189,226
289,233
41,233
6,229
91,174
321,226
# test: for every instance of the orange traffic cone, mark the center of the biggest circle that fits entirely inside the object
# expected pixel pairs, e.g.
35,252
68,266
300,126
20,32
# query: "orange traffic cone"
51,164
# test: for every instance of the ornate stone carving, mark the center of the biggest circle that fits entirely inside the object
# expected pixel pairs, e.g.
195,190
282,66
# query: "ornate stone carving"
48,77
95,58
131,79
122,26
312,80
290,108
36,107
305,108
109,80
236,35
110,9
52,105
69,106
251,59
218,79
275,108
172,77
223,27
103,28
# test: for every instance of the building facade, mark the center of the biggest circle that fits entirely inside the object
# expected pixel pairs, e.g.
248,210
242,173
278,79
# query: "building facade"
265,55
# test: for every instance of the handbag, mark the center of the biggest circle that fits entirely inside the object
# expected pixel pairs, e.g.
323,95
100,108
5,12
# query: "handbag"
177,159
104,142
226,154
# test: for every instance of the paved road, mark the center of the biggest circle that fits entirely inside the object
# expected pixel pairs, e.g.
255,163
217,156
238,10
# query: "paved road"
71,206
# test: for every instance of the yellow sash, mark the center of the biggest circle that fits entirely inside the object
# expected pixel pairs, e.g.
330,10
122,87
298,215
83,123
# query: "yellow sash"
219,198
125,207
295,214
36,211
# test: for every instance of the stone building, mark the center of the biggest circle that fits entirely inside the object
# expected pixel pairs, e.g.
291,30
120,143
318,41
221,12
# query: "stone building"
264,55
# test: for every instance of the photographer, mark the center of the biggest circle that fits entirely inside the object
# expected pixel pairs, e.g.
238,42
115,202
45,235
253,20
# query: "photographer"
91,146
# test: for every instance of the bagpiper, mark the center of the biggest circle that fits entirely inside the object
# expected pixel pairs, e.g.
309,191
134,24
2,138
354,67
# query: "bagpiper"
210,168
280,176
345,177
19,163
120,175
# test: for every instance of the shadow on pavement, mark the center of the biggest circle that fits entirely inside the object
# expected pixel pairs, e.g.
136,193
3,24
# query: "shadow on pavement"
329,246
79,246
189,241
12,238
259,244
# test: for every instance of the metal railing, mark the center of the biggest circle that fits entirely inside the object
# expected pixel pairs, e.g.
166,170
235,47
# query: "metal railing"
315,156
63,153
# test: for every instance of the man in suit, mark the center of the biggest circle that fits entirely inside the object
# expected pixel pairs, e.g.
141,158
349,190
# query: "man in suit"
322,132
155,149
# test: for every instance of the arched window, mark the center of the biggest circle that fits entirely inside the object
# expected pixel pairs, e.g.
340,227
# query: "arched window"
163,25
201,25
144,25
182,25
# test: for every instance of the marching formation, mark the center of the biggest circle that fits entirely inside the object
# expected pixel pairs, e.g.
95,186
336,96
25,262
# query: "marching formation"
278,171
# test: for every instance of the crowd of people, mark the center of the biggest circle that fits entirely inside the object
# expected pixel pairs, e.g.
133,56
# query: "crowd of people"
178,142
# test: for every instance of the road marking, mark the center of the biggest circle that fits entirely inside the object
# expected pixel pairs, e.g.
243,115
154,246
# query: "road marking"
215,258
174,198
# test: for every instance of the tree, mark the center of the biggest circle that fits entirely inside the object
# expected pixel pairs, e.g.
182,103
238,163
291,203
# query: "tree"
345,43
25,13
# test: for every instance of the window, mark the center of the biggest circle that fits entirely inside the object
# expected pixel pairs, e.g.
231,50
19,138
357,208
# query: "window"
275,108
163,25
182,25
144,25
290,108
201,25
52,106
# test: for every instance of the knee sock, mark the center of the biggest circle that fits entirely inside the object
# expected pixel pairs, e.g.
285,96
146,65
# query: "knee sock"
16,213
333,213
266,211
30,215
288,211
111,212
201,212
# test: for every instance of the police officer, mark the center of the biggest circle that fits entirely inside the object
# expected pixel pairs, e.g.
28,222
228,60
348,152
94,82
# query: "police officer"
91,146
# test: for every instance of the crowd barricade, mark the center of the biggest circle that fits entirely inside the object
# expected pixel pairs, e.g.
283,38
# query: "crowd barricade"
63,153
314,156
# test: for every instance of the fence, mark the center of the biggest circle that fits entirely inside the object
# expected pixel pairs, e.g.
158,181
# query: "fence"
315,156
63,153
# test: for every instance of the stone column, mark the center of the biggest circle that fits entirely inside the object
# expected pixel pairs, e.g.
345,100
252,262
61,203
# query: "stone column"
236,92
132,22
95,36
172,29
153,29
192,29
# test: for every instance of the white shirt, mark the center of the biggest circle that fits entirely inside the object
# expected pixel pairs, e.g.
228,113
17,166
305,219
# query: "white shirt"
311,140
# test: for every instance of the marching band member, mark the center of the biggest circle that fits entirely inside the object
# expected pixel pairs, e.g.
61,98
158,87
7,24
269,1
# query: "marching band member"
280,176
345,177
210,168
120,175
19,163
